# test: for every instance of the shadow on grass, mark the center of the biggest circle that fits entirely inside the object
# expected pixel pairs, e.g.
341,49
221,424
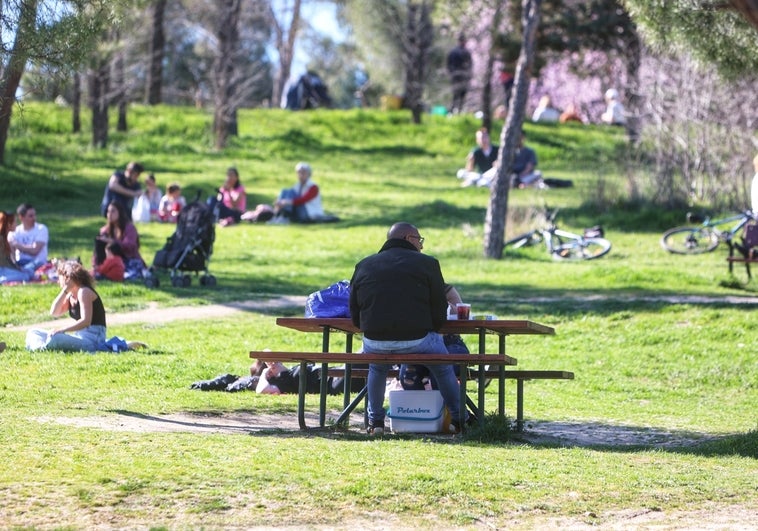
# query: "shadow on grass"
613,438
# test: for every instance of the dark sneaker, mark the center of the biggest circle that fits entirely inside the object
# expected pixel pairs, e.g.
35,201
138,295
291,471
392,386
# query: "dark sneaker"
375,428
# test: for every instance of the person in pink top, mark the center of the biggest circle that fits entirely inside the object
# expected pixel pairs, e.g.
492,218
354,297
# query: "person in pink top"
120,229
231,199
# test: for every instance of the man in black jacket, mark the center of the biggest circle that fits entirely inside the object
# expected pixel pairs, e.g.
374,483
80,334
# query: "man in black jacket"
397,299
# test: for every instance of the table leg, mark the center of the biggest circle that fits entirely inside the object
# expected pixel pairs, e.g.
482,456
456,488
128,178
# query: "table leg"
481,395
323,388
501,380
301,390
345,415
348,373
462,403
325,337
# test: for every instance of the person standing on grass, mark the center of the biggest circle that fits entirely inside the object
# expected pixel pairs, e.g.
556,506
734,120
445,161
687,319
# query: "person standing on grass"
459,66
397,299
123,187
79,299
29,241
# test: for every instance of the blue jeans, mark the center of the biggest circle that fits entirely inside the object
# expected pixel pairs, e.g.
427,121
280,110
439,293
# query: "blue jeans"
294,212
11,274
87,339
432,343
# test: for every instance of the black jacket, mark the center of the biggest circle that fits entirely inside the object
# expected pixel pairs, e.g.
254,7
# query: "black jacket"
398,293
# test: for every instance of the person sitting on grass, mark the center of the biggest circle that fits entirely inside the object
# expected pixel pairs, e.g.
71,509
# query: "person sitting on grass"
9,271
113,266
29,239
171,203
275,379
231,199
299,204
120,229
302,202
79,299
481,162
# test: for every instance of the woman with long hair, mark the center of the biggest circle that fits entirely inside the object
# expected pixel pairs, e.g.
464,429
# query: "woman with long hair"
9,271
79,299
118,228
231,199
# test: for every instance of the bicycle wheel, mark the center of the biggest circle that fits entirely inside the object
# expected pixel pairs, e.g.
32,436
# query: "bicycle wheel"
584,249
689,240
523,240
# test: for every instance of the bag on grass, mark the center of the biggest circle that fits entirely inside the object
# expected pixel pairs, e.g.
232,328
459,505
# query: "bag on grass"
333,301
141,210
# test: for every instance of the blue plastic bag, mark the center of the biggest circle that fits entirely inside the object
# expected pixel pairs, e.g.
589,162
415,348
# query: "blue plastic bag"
333,301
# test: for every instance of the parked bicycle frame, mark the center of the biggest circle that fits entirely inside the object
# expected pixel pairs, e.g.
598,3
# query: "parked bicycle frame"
705,237
561,244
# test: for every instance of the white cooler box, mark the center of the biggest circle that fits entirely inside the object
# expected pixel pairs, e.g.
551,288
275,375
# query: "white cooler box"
416,411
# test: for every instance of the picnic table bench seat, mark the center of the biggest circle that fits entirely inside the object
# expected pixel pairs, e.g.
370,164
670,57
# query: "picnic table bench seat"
487,366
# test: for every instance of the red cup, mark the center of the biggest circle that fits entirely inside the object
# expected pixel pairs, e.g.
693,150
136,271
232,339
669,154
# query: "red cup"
464,311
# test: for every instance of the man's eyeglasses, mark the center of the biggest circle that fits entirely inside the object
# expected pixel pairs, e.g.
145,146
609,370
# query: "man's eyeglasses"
419,238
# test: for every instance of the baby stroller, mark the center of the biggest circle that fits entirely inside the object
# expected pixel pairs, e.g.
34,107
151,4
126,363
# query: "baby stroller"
189,248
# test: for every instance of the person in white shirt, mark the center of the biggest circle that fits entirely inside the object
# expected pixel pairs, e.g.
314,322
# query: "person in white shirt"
29,241
614,114
545,112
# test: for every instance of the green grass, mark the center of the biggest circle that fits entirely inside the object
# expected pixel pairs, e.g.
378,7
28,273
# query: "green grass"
644,358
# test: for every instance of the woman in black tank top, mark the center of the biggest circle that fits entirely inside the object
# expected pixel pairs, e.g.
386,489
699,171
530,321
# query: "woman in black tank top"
79,299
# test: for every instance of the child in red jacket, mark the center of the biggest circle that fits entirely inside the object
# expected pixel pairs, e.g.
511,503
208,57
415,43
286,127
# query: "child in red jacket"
112,267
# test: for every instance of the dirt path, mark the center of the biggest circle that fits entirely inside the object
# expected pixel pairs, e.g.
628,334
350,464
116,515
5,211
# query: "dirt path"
155,314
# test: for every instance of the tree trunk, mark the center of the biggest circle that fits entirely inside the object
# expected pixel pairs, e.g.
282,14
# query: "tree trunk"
497,17
120,95
157,50
633,54
497,210
98,90
417,43
286,49
225,114
11,75
76,103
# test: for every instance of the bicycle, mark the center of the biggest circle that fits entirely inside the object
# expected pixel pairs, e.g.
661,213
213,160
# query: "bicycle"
564,245
705,237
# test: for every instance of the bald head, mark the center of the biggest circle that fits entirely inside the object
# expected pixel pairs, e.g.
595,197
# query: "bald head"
401,230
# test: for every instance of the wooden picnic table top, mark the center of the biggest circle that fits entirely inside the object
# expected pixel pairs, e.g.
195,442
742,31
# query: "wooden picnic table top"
471,326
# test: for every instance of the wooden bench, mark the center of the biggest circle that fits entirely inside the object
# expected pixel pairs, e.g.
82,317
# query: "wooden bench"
520,376
748,249
466,361
348,358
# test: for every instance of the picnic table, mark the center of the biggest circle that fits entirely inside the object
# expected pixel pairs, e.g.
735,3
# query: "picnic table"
501,328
